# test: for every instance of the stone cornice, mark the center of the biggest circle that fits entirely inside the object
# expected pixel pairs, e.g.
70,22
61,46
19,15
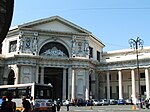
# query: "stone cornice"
50,32
126,64
55,18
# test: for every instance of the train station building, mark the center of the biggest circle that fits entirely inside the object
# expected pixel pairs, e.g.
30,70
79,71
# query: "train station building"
57,51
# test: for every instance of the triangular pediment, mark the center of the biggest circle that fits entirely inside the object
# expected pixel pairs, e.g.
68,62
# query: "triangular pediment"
55,23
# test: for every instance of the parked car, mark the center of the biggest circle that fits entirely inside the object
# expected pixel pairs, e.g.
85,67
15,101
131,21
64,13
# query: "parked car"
113,102
64,102
128,102
121,101
104,102
88,103
80,102
95,102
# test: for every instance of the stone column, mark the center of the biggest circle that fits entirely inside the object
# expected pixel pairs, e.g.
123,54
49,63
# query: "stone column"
108,85
37,74
147,83
73,85
69,82
64,84
17,75
42,75
87,85
120,84
133,84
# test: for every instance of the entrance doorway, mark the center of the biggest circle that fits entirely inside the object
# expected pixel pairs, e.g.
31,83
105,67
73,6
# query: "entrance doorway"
11,78
55,77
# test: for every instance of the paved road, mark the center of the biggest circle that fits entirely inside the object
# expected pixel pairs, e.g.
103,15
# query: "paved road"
110,108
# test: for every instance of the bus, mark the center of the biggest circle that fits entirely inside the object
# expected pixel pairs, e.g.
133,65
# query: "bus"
42,95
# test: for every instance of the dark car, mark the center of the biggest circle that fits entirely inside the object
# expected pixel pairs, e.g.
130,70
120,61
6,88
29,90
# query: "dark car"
80,102
113,102
121,101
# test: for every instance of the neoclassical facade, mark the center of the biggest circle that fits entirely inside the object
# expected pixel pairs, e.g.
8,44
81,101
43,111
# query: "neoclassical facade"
56,51
118,74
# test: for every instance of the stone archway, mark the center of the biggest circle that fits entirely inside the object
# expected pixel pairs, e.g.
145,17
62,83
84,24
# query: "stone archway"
11,78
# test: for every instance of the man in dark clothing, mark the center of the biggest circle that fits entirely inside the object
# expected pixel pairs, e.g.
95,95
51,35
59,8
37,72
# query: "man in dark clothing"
26,105
10,106
3,106
58,105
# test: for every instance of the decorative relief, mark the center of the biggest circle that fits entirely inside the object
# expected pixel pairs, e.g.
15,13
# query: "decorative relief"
86,47
25,79
26,71
28,43
74,41
34,44
80,47
21,42
54,52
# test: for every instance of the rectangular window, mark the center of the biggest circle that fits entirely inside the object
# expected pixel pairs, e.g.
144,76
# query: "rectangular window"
91,52
109,76
142,75
98,55
143,90
13,46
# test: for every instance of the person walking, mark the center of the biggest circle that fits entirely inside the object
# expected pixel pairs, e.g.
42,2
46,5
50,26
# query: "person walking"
58,105
26,105
67,104
10,106
32,104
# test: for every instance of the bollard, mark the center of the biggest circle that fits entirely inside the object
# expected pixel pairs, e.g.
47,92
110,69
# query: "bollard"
91,108
133,107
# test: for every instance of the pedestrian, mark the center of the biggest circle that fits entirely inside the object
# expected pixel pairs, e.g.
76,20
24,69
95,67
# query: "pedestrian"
32,104
26,105
58,105
67,104
3,106
10,106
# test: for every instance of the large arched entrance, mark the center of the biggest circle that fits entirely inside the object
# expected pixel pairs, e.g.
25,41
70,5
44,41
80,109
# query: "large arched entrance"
51,74
11,78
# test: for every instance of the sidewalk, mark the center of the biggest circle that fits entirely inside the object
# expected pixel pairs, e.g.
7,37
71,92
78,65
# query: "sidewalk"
110,108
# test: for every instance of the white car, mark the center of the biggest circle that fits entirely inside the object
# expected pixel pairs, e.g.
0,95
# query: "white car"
95,102
104,101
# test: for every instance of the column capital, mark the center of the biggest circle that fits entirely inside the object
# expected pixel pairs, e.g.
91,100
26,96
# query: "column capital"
132,68
119,69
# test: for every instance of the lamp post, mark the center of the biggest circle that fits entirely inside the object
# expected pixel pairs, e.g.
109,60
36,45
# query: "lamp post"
136,44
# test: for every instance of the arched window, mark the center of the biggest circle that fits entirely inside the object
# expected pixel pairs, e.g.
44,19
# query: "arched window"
11,78
54,49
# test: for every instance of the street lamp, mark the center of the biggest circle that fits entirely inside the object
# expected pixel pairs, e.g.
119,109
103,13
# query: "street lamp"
136,44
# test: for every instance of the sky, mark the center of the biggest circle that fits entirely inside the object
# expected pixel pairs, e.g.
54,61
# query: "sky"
113,22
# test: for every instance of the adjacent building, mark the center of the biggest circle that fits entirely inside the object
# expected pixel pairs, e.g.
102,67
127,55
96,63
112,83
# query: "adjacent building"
71,58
